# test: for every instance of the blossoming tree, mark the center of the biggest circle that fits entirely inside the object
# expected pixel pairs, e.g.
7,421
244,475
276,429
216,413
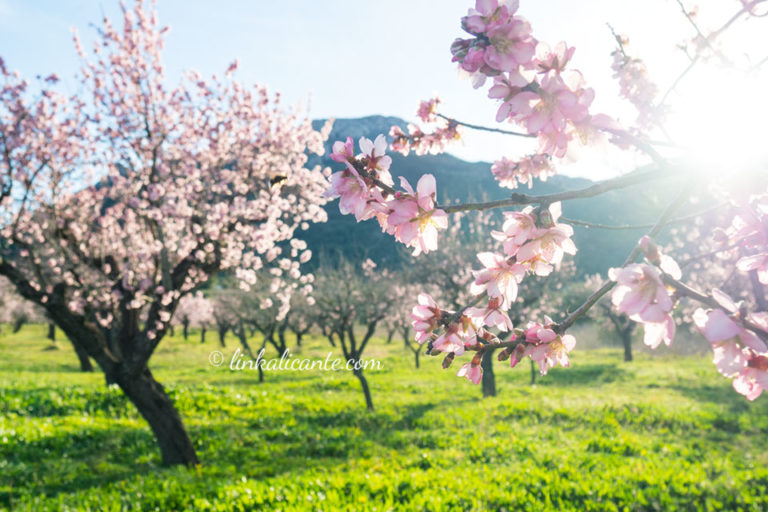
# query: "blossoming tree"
547,101
118,202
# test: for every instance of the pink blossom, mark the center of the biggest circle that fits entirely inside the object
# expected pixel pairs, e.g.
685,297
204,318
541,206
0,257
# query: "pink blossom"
642,295
352,192
547,248
343,151
425,317
472,372
375,159
758,263
451,340
499,278
510,173
492,315
552,353
413,219
489,13
516,230
553,59
427,110
511,45
737,352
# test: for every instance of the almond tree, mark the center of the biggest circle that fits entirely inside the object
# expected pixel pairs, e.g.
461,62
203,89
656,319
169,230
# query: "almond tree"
118,202
194,310
347,299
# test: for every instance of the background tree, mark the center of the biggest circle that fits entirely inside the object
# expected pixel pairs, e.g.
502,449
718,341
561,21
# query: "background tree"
194,310
348,297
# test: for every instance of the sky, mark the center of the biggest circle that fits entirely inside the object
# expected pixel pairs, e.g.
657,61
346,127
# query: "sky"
352,58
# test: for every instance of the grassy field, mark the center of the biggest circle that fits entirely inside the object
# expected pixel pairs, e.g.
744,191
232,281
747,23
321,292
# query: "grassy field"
660,433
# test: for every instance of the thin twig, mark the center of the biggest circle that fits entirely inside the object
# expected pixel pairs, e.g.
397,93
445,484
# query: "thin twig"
636,226
486,128
663,220
627,180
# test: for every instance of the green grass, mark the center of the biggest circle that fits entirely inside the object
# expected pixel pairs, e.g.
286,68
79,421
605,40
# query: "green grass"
660,433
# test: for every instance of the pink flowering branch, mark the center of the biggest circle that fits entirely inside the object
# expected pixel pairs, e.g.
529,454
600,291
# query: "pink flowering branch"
605,288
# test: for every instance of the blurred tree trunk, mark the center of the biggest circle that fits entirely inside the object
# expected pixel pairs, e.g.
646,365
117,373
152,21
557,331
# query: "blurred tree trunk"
82,356
533,373
489,378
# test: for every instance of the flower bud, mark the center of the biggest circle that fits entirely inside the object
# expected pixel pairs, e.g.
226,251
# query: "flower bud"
448,360
477,359
504,354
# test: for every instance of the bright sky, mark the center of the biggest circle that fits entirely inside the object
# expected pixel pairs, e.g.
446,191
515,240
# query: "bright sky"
358,58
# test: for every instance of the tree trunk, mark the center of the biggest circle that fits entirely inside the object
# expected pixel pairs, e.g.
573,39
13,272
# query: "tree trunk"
82,356
156,407
390,334
298,339
202,334
489,378
626,339
533,373
172,331
18,324
52,332
222,335
366,390
416,357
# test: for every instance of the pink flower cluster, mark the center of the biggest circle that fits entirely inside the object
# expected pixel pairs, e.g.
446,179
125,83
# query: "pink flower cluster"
357,193
535,239
635,85
749,229
529,77
533,242
421,142
543,345
424,142
641,294
739,353
510,174
364,188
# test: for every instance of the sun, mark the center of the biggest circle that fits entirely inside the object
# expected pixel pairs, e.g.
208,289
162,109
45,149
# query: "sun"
719,120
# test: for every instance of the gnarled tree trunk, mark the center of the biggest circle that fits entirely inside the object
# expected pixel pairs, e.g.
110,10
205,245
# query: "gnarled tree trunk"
156,407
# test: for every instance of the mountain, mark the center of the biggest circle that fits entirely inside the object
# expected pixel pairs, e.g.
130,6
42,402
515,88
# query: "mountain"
458,179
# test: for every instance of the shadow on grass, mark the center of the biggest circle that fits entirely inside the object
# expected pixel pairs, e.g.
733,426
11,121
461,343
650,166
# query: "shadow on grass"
265,446
586,374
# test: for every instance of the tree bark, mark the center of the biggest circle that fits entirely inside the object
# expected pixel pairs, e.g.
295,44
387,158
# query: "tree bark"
202,334
222,335
156,407
366,389
82,356
52,332
626,339
489,378
416,357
